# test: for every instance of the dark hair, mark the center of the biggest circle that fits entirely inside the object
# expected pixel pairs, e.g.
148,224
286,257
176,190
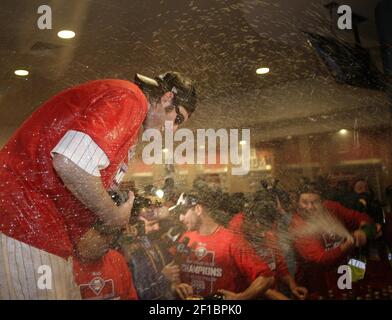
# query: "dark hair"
279,194
261,207
310,187
284,198
234,203
182,87
213,199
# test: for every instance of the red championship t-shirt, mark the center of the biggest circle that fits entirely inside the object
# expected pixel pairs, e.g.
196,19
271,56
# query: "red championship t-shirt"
269,250
236,223
35,206
108,278
267,247
222,260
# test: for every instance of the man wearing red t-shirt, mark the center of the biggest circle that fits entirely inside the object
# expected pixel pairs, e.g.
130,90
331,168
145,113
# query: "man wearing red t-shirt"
318,229
100,272
218,260
258,225
56,169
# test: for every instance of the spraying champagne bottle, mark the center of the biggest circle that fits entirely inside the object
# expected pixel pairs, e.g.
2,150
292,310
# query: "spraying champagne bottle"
358,262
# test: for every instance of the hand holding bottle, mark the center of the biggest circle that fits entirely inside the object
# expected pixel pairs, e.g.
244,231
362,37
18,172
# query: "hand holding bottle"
360,238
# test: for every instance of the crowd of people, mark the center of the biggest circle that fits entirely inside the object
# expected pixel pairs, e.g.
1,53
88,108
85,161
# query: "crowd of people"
270,244
60,208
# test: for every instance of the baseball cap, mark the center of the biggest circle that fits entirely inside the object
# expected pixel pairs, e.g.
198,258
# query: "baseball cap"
201,193
184,202
182,87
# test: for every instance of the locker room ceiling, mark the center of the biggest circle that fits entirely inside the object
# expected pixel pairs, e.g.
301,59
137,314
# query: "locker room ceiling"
218,43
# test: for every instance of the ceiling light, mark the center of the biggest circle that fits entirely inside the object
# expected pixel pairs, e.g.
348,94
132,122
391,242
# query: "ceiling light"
66,34
243,142
21,73
343,132
262,70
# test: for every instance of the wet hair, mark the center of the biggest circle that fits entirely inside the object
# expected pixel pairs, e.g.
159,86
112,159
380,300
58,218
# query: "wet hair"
261,207
235,202
271,186
182,87
213,199
284,198
310,187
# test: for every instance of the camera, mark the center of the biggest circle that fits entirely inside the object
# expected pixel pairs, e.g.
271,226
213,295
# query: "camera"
137,226
120,197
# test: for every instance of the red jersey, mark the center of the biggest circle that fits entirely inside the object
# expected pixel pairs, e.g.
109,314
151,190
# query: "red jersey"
236,223
108,278
35,206
222,260
269,250
320,255
267,247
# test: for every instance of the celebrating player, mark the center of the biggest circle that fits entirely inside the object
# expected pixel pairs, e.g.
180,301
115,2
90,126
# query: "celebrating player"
101,272
320,247
56,170
217,260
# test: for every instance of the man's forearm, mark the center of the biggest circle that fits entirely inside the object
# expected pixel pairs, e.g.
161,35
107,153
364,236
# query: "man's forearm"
289,281
87,188
257,288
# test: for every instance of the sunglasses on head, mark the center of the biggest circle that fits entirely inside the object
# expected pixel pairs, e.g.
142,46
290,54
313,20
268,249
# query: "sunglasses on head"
179,117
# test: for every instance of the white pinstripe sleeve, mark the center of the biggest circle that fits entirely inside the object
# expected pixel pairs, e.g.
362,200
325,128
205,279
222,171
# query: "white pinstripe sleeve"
20,273
83,151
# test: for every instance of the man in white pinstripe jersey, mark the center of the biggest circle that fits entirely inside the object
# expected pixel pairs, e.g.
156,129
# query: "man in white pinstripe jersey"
57,168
